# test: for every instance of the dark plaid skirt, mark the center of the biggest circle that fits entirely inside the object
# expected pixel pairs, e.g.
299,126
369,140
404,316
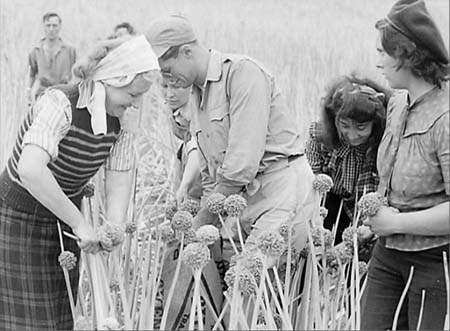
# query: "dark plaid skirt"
33,293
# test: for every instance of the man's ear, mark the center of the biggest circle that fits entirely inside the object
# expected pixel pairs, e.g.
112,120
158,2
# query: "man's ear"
186,50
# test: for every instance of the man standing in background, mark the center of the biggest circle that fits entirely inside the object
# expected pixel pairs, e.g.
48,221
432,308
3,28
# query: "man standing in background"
51,60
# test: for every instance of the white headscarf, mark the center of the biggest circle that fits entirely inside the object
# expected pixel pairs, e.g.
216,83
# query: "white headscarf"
118,68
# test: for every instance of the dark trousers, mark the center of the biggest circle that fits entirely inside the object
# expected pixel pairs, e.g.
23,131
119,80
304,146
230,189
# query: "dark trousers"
388,273
332,204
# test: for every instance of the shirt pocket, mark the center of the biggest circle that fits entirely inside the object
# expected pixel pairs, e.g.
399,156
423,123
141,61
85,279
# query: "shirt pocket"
417,170
219,127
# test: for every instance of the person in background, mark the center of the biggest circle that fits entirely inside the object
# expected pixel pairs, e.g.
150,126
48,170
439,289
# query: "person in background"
344,144
51,60
413,165
177,100
247,137
71,131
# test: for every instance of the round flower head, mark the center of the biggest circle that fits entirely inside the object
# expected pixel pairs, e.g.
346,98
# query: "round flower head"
316,234
234,205
230,276
229,293
208,234
89,190
270,243
322,183
348,234
130,227
344,252
110,323
246,281
67,260
253,262
363,268
171,209
323,212
117,233
105,238
215,203
190,236
196,255
190,205
182,221
167,233
370,203
284,230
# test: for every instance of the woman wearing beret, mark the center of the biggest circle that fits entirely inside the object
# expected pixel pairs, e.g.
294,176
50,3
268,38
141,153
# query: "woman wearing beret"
70,132
344,144
413,165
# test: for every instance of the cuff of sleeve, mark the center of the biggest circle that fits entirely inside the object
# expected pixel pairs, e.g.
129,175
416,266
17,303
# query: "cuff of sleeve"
190,146
227,189
45,140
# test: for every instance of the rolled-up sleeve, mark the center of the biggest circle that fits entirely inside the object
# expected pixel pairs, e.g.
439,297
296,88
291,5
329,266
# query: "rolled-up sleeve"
250,91
191,145
441,139
122,154
32,63
52,115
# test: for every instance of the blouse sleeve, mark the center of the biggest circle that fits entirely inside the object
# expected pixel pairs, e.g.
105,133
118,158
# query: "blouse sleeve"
122,154
441,140
313,150
52,116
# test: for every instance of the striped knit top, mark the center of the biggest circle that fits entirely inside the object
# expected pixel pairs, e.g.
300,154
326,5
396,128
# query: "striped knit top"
65,133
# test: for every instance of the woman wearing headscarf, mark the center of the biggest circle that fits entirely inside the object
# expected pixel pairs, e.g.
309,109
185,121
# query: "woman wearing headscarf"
71,131
413,164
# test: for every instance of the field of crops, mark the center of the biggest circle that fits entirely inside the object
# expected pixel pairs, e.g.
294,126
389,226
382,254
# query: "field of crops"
305,43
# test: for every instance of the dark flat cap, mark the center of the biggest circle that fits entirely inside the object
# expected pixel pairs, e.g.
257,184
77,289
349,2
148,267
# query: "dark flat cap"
412,19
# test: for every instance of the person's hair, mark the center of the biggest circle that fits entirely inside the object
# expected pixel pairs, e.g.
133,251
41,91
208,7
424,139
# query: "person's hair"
51,14
125,25
85,67
419,60
359,99
173,51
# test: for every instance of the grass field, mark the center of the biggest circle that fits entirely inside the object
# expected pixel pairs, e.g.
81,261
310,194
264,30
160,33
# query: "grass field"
305,43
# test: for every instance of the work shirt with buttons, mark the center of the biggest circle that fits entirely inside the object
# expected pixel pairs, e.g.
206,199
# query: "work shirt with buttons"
242,124
51,69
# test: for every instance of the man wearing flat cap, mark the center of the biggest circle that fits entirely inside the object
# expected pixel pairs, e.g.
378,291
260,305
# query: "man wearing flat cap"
414,169
247,137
